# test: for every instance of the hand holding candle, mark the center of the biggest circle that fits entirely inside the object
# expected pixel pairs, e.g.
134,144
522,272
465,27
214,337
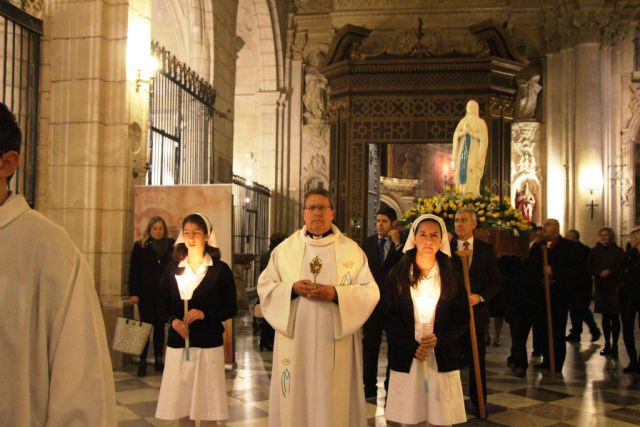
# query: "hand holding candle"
186,284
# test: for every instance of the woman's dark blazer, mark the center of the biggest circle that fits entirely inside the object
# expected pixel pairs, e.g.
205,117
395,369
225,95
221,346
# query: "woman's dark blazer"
215,297
451,321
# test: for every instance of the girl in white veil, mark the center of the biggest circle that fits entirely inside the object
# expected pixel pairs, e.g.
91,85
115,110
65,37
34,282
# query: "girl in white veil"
426,311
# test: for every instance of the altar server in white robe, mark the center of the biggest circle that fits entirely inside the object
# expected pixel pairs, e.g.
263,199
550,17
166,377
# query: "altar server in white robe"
317,292
55,368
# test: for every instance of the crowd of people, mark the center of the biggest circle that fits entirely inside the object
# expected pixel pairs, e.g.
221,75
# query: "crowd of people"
430,291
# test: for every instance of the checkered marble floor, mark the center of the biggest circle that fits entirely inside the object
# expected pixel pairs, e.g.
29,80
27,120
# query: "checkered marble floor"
592,392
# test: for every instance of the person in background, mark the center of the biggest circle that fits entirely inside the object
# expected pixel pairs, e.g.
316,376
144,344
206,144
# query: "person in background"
538,332
497,313
266,330
519,312
383,250
426,311
561,272
149,258
605,264
54,359
484,276
630,298
193,384
582,291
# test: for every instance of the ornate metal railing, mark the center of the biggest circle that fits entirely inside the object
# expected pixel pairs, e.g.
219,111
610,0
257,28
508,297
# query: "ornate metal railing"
20,35
250,226
180,123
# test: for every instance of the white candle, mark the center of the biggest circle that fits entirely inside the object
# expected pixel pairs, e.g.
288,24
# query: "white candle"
186,284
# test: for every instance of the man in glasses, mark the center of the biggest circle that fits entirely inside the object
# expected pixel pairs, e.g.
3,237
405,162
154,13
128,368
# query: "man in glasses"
54,359
317,292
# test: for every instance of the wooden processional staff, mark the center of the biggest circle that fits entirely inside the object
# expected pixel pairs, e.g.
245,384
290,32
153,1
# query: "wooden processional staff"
464,256
547,298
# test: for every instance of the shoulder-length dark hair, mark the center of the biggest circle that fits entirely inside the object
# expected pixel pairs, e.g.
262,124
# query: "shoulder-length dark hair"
408,273
180,250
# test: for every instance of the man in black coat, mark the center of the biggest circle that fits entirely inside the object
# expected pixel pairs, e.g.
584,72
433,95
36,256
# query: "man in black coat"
582,292
485,284
562,273
383,250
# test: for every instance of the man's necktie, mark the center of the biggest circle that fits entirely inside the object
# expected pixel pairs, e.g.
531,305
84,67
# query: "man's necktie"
381,242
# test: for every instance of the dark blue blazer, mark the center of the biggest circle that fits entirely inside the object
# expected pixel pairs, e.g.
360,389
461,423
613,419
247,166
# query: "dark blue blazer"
451,322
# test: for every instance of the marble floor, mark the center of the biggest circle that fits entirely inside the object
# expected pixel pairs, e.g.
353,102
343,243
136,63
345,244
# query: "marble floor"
593,391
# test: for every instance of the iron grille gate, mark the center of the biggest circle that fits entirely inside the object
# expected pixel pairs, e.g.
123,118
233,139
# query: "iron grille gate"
250,226
20,35
180,123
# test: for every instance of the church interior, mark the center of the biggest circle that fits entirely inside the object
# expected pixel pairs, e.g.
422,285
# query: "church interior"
119,101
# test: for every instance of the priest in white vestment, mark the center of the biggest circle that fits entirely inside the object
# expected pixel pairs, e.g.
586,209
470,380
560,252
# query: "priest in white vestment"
55,368
317,292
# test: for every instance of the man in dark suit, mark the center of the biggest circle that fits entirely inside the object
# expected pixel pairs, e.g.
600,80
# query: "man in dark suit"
383,250
485,284
582,290
562,273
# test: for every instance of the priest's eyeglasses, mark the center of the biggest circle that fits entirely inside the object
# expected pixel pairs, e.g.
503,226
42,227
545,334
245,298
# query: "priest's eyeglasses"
317,208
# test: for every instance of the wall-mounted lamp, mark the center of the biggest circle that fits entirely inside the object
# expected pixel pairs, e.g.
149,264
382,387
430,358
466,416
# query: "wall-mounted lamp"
146,72
248,171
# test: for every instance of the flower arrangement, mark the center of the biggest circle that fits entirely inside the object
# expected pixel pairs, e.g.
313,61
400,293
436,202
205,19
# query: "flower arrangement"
492,211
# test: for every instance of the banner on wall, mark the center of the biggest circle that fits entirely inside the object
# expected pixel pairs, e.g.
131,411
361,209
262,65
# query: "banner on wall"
173,203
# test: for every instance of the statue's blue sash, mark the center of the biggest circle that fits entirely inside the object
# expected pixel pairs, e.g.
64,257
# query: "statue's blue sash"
464,160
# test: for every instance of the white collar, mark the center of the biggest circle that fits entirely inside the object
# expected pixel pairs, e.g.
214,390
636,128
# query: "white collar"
12,208
331,237
207,262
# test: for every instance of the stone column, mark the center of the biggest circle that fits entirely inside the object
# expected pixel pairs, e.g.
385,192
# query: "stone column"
553,156
265,171
288,188
589,159
224,74
92,133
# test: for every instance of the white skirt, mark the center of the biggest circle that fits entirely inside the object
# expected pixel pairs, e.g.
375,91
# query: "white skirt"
196,388
441,402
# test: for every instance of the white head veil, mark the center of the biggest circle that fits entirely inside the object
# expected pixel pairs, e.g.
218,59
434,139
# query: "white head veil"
209,231
411,239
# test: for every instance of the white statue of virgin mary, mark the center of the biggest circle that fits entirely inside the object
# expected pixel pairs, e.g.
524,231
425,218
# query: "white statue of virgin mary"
470,143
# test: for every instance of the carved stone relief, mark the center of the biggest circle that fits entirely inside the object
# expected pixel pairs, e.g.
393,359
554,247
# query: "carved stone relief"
527,99
315,173
525,173
604,24
435,42
297,43
626,168
316,96
313,6
315,148
32,7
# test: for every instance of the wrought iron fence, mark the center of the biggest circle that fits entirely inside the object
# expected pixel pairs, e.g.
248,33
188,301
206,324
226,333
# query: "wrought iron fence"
180,124
250,226
20,35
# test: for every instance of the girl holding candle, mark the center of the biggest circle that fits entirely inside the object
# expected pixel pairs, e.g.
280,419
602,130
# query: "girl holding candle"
193,384
426,310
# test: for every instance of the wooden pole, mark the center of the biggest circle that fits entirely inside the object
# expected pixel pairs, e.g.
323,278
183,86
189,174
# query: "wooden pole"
464,256
547,297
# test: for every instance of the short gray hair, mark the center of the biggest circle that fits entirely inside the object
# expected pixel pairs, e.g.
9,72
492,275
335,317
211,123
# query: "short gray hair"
470,211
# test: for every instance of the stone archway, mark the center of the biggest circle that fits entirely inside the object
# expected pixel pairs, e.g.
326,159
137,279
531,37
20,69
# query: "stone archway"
257,92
